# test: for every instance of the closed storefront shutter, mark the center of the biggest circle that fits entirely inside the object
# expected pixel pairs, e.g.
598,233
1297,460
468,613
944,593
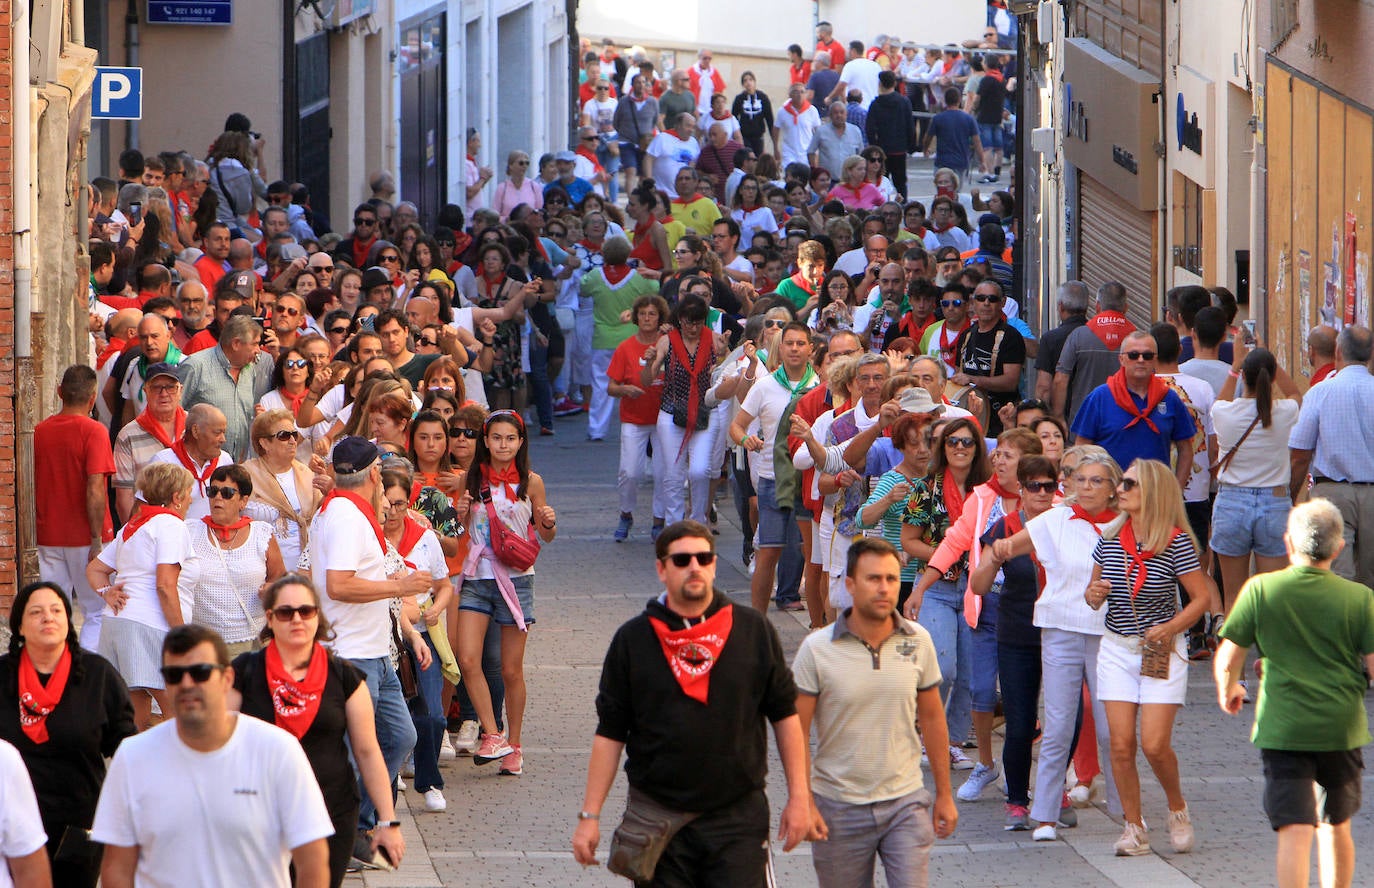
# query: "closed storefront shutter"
1116,243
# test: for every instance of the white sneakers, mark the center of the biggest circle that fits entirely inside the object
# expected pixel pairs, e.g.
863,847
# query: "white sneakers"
1134,841
982,777
446,750
1044,833
466,740
435,801
1181,831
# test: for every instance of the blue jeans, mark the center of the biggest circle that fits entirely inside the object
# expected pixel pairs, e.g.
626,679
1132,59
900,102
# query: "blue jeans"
1018,668
427,716
539,382
395,731
491,668
611,162
942,615
983,679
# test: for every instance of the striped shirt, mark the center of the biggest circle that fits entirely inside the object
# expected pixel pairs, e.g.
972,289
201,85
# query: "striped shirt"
1157,601
891,521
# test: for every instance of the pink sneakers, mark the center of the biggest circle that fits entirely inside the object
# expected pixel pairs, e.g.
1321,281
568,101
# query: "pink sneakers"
492,747
513,765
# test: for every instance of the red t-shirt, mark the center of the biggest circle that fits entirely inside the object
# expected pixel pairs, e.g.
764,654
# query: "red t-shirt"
837,53
66,450
626,364
200,342
211,270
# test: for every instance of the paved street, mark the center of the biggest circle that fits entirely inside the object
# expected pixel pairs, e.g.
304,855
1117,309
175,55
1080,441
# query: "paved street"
514,832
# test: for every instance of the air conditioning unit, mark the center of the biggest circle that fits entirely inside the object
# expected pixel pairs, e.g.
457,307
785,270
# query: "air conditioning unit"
1046,16
1042,142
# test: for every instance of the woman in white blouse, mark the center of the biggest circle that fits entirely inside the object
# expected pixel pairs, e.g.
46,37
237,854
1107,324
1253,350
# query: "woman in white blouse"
285,492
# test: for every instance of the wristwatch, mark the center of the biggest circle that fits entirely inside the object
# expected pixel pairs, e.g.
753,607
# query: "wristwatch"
587,815
382,823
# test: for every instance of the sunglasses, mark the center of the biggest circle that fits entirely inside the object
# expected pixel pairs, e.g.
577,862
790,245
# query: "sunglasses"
683,559
1140,356
951,303
432,343
448,243
1040,486
522,163
322,267
285,612
961,441
200,672
470,434
1128,484
338,331
214,490
984,297
774,322
388,258
589,138
296,364
359,220
289,311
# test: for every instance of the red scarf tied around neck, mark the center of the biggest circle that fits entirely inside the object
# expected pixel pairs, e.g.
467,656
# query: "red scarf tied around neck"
226,532
411,533
954,497
614,274
294,402
1137,556
363,506
693,365
296,703
36,700
145,514
150,425
1095,520
692,652
997,488
1116,384
202,476
509,476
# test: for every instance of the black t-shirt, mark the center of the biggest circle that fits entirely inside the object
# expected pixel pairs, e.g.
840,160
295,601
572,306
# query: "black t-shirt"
413,371
324,743
1016,612
974,350
992,99
1052,343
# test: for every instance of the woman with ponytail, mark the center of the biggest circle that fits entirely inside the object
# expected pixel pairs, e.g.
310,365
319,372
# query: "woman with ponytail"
1251,510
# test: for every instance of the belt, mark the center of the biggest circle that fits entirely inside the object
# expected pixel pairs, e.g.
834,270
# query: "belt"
1278,490
1130,642
1322,479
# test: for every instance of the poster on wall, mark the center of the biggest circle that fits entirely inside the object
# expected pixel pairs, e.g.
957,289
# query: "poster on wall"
1304,296
1331,313
1362,288
1277,330
1350,225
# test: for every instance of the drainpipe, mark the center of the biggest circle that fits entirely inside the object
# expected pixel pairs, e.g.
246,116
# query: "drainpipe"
25,392
83,219
131,58
1259,222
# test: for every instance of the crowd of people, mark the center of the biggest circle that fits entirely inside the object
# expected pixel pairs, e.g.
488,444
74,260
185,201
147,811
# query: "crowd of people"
303,461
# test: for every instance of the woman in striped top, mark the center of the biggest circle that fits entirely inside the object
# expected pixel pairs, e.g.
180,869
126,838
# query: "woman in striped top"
887,502
1138,569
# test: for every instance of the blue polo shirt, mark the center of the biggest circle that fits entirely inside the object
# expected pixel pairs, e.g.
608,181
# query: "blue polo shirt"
1103,422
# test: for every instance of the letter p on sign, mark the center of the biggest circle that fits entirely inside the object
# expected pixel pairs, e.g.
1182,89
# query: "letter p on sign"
117,94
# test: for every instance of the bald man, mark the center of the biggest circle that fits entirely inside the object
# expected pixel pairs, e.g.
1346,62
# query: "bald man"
201,453
1321,352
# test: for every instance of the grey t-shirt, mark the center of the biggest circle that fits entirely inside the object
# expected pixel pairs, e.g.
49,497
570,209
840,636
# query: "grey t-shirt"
1211,371
1088,362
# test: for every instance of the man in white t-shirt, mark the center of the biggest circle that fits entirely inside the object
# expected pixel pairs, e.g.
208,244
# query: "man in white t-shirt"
858,73
211,798
199,452
346,561
673,149
23,851
797,121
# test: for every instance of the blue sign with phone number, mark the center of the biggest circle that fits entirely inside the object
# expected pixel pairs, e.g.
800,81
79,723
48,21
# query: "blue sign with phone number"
190,12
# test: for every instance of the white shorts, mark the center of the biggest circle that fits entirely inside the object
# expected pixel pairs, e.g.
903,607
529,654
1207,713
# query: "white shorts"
820,541
1119,678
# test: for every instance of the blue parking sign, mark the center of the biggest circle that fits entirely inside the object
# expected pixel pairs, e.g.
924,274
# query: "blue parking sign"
117,94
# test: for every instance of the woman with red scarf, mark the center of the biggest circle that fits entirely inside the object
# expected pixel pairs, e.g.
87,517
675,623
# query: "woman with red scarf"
295,683
291,381
505,382
65,710
987,503
239,554
650,238
854,190
686,432
958,464
1138,567
750,212
503,489
145,577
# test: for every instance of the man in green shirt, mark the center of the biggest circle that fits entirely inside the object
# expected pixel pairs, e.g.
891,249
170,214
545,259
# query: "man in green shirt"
1313,629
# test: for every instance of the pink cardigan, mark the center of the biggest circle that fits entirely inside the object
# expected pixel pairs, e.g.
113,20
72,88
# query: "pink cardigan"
963,536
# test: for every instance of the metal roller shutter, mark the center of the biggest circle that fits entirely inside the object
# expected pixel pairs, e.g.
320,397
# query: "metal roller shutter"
1116,243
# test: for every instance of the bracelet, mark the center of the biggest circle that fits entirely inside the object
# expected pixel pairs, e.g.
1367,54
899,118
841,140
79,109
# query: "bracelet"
102,590
1233,374
549,526
588,815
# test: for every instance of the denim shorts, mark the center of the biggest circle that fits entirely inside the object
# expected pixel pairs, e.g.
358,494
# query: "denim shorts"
772,519
484,597
1250,519
990,135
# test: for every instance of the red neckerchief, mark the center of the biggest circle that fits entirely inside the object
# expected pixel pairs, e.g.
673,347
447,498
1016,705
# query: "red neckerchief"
202,477
471,159
146,513
692,652
996,487
913,328
363,506
1137,555
226,532
1116,384
411,532
294,401
746,208
1111,327
360,251
946,191
947,343
296,703
150,425
954,497
494,282
37,701
994,73
461,241
615,273
509,476
112,348
591,156
941,230
591,247
857,192
802,282
1322,372
1013,523
694,364
796,112
1094,520
920,233
684,201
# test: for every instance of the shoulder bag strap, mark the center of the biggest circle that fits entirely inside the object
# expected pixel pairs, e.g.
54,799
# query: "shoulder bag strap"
229,198
1231,454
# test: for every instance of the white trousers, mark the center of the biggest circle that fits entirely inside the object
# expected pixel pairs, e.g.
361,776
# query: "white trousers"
688,467
634,460
603,405
66,566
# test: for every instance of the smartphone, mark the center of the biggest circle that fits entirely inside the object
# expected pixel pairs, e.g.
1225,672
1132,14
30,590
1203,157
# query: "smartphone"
135,213
261,320
1249,327
633,263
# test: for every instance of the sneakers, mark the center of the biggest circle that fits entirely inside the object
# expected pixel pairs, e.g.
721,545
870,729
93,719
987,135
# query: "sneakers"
513,764
408,768
446,750
1044,833
1068,817
1181,831
1134,841
982,777
622,530
958,761
1081,796
566,407
435,801
655,531
466,739
1018,818
989,179
493,747
713,519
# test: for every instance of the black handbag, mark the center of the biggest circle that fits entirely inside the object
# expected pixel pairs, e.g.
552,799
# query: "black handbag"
643,836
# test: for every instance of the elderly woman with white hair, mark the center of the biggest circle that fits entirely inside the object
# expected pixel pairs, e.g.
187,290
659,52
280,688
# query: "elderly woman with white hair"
854,190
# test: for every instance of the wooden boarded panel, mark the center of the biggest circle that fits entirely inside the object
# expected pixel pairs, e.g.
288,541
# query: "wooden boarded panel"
1330,205
1306,260
1359,178
1279,300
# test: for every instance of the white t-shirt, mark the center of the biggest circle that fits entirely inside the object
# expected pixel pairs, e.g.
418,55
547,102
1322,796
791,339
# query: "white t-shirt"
795,131
671,154
766,402
21,829
600,114
741,264
1064,545
221,819
341,538
200,505
752,222
861,74
1199,403
852,262
1262,461
164,539
427,555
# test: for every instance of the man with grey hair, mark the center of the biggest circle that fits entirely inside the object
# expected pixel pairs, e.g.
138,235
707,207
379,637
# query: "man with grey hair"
1333,439
198,451
193,305
1090,354
1313,628
232,376
347,552
1072,302
406,213
671,150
